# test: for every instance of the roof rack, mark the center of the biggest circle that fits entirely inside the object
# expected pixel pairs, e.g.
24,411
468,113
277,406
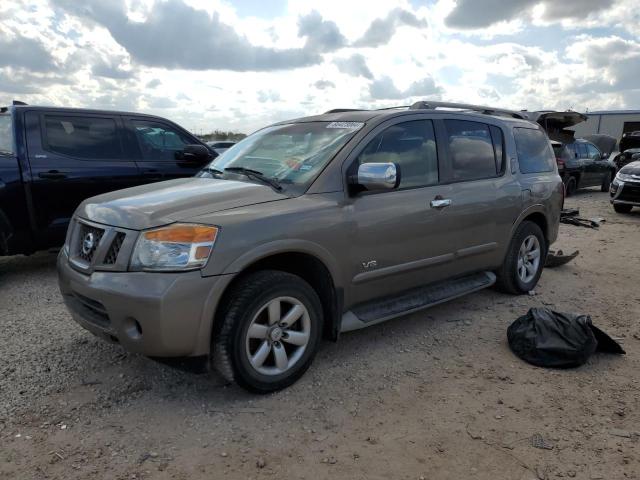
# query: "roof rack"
18,102
340,110
428,105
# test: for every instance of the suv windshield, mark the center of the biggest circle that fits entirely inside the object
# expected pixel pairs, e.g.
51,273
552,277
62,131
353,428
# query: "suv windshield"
292,155
6,134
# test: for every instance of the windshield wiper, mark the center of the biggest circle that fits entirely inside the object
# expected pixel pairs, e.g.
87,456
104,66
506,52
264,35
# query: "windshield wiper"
255,174
212,170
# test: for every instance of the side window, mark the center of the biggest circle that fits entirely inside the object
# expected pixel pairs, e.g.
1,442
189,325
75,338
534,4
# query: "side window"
412,145
571,151
534,150
472,150
82,137
158,141
581,148
593,152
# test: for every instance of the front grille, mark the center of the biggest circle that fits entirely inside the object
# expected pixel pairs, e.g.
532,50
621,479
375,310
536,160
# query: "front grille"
88,241
114,249
630,193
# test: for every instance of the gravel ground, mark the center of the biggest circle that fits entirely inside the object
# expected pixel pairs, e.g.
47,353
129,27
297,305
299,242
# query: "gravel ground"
434,395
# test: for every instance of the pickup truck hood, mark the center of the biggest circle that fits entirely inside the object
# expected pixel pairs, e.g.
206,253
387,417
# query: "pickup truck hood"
157,204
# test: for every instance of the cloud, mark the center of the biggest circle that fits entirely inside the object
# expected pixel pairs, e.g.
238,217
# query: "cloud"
106,69
177,36
474,14
355,65
384,89
153,83
322,35
265,96
25,52
382,30
324,84
161,102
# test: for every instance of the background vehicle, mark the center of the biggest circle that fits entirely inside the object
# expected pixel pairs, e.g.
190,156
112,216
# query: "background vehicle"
625,189
581,164
51,159
313,227
220,146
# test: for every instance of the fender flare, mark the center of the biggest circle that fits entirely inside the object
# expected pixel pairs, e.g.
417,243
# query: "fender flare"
537,208
278,247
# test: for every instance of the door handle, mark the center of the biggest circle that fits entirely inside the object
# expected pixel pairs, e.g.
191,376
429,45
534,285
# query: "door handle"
440,203
52,175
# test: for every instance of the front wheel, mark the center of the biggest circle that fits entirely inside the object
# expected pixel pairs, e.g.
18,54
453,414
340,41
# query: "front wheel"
271,328
571,186
606,182
524,261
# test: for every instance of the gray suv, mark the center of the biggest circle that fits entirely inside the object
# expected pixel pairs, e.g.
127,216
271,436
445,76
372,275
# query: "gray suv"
313,227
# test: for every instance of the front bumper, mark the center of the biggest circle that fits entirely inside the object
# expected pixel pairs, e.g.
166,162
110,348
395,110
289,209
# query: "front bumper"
155,314
627,193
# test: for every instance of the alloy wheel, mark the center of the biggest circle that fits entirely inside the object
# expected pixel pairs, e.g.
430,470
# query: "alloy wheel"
529,258
278,335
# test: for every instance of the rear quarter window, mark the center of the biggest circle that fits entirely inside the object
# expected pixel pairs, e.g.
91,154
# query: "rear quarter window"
6,134
534,151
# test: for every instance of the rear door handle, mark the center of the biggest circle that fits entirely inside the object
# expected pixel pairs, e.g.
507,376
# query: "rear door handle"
52,175
440,202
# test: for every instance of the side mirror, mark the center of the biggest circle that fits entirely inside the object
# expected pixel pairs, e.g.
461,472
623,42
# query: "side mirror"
195,153
377,176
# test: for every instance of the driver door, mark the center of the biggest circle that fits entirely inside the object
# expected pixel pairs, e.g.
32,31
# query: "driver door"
158,149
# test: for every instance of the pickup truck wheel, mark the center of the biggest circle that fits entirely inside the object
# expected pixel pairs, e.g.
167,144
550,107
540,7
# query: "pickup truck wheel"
606,182
524,261
622,207
271,328
571,186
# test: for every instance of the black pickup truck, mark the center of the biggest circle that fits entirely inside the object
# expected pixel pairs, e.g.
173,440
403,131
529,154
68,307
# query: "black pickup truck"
53,158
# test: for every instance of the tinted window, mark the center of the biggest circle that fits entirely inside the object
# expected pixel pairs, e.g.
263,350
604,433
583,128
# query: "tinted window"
82,137
534,152
411,145
6,134
581,148
158,141
593,152
471,149
570,151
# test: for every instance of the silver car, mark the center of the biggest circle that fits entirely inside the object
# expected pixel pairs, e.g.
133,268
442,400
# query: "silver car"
311,228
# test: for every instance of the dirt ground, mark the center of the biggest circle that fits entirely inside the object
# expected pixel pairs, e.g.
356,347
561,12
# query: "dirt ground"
436,395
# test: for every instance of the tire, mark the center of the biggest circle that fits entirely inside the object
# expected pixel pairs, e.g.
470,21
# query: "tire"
509,274
622,207
240,356
571,186
606,182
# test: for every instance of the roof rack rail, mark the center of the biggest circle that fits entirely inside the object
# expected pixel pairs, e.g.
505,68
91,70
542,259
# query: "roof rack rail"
428,105
340,110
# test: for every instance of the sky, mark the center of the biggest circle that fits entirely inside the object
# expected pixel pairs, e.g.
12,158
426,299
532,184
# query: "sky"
243,64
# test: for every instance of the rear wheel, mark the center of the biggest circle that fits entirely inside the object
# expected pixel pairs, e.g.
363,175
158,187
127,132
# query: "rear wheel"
622,207
606,182
524,261
271,328
571,186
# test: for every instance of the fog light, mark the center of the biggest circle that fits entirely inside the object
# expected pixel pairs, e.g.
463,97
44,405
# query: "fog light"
132,328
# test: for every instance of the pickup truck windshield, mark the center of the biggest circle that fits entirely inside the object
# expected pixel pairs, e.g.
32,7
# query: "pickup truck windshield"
292,154
6,134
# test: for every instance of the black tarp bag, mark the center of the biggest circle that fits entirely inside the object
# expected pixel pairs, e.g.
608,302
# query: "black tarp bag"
560,340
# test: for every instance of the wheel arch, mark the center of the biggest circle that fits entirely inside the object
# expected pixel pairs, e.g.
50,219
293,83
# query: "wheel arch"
306,264
537,215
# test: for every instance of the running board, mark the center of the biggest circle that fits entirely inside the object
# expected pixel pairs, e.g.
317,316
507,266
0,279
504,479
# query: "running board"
413,300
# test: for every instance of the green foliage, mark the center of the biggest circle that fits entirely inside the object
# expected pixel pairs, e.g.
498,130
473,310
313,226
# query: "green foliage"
221,135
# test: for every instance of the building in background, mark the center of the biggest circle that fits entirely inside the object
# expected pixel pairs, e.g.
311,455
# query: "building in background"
609,122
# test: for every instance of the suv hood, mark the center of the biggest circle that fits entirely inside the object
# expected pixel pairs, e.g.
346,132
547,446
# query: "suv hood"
157,204
632,168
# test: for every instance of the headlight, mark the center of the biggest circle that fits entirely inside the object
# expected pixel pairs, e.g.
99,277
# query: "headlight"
623,177
176,247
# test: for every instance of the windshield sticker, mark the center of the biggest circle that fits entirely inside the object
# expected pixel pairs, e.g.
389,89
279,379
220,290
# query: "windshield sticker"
348,125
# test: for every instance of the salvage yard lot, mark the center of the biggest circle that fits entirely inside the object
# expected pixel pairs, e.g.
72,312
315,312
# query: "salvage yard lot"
435,395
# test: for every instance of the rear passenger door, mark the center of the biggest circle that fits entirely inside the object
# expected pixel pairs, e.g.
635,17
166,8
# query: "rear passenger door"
72,157
596,167
485,200
158,147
